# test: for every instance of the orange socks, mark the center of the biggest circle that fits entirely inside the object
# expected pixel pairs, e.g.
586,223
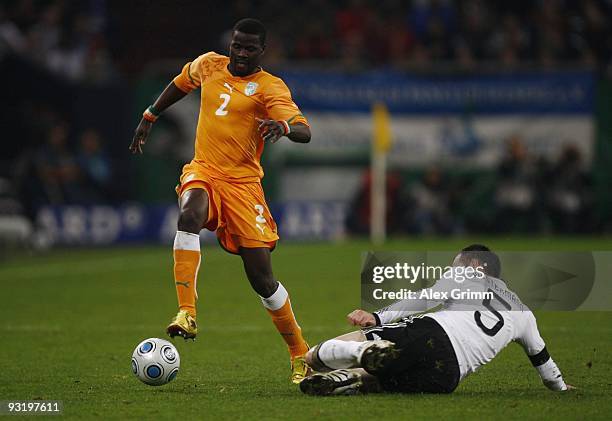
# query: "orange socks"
279,307
186,264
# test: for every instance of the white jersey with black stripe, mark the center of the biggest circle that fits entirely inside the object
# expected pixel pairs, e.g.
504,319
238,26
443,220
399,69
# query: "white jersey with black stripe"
478,328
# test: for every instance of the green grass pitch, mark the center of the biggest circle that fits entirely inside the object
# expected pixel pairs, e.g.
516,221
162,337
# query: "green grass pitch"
70,319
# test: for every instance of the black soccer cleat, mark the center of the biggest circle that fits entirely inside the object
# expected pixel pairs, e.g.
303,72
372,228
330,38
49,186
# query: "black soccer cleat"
337,382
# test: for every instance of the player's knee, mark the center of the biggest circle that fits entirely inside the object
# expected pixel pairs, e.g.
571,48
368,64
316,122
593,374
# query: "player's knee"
264,284
309,357
191,220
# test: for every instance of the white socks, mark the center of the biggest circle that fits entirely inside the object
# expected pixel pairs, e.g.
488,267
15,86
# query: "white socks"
276,300
183,265
337,354
186,241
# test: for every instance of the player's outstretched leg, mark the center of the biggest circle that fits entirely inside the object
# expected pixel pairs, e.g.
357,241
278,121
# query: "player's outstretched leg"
275,299
373,356
347,359
187,257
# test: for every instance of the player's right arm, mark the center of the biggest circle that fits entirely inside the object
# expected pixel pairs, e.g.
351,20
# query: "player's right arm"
169,96
189,79
402,308
535,348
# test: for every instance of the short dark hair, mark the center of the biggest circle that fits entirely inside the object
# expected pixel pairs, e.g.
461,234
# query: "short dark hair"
488,259
253,27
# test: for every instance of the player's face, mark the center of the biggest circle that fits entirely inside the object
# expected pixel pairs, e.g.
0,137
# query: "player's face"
245,53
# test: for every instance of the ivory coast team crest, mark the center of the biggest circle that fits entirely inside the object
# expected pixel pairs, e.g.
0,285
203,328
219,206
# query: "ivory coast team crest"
250,88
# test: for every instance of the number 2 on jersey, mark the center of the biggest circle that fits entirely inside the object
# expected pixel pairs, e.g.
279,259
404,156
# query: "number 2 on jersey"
491,331
221,110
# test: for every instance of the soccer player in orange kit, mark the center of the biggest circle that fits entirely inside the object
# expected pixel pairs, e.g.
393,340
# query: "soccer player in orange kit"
242,107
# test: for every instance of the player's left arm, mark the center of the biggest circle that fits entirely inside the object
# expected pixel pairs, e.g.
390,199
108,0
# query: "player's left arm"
273,130
284,118
535,348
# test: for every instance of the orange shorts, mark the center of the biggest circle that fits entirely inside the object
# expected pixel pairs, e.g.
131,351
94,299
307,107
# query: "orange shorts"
236,211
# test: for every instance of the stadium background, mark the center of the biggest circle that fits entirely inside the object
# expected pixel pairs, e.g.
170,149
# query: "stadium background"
501,123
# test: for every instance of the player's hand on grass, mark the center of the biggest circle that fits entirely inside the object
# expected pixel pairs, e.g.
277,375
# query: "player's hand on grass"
570,387
270,130
140,136
361,318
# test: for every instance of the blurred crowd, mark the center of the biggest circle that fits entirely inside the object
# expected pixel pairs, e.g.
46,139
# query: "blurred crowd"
65,61
58,174
68,38
423,32
525,194
56,60
68,167
87,39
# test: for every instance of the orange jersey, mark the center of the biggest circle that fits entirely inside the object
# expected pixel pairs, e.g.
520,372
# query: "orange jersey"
228,142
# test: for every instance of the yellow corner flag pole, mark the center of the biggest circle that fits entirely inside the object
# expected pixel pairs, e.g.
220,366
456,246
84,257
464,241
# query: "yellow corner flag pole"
381,143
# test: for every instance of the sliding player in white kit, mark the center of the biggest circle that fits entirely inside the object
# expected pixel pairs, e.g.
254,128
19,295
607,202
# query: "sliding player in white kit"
433,352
